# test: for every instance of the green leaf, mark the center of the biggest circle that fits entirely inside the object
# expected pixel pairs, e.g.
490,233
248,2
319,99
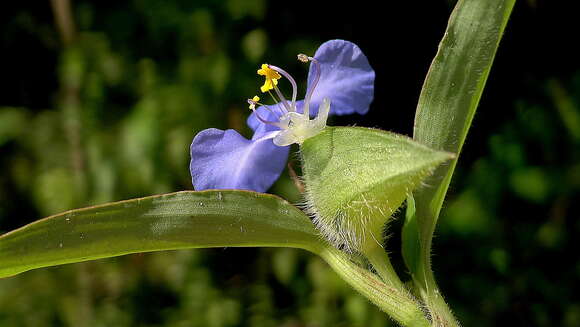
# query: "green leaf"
163,222
454,85
356,178
189,220
411,247
446,107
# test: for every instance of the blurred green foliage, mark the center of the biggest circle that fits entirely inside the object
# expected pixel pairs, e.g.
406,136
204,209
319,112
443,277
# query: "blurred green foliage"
110,115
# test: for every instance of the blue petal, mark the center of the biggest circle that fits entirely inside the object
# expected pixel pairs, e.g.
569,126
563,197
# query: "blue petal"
346,78
227,160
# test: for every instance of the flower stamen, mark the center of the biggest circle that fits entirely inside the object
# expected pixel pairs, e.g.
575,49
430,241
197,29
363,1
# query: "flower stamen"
271,76
292,82
253,102
304,58
263,120
281,110
283,99
295,127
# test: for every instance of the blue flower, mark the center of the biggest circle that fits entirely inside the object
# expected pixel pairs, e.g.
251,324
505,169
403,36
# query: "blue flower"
339,73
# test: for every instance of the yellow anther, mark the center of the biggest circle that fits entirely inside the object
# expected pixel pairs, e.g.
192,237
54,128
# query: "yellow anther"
253,101
272,78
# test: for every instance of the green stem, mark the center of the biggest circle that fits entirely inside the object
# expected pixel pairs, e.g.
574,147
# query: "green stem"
395,301
439,310
380,261
424,278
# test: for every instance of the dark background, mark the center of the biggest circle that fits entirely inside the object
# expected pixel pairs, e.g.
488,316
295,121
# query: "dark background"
105,110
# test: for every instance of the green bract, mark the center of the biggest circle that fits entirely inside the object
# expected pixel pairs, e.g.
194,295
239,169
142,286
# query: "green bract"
355,179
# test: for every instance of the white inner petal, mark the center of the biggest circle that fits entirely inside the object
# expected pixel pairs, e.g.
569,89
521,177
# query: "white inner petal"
299,127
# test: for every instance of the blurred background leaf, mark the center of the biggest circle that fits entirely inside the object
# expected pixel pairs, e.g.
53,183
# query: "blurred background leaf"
110,115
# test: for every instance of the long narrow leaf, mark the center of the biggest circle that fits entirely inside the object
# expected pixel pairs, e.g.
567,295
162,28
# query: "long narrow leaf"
188,220
454,85
163,222
446,107
452,91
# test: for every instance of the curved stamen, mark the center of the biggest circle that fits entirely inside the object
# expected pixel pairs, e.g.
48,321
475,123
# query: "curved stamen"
282,99
253,102
278,108
279,94
273,123
305,58
292,81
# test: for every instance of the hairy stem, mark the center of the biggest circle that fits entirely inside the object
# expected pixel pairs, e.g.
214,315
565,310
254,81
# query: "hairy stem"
395,301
